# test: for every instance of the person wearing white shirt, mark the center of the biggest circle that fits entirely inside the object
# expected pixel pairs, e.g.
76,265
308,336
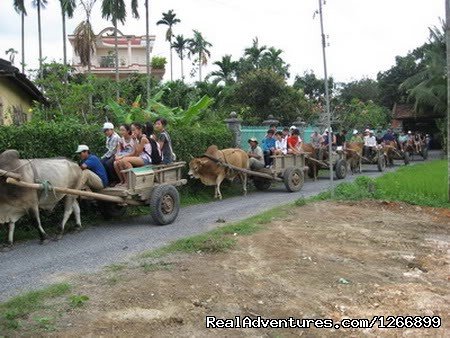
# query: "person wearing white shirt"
370,141
280,144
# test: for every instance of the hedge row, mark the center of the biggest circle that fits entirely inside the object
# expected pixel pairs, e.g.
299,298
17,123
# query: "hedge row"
43,139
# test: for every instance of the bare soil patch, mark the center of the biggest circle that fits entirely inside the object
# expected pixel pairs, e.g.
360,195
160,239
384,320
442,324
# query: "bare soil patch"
328,260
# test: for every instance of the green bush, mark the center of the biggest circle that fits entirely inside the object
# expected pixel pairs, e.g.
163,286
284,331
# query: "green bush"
49,139
158,62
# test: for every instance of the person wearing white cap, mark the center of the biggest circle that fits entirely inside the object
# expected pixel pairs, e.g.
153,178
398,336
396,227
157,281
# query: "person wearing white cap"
255,154
370,141
356,138
112,140
94,174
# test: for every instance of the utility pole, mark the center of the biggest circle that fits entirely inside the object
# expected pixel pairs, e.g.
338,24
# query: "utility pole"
327,98
447,39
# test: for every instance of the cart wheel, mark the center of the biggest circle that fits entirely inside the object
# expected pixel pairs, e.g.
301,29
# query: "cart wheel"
341,169
406,157
381,163
111,210
293,179
424,153
164,204
262,183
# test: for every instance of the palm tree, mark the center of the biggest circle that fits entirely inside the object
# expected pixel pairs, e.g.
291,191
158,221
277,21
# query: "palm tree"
38,4
116,11
169,19
67,8
198,46
12,54
227,70
181,45
19,6
84,41
255,53
428,87
271,59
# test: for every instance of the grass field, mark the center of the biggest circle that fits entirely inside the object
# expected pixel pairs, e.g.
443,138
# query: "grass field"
421,184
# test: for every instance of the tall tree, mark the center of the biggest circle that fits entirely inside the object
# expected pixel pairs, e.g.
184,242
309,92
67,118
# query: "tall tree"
67,9
84,42
272,60
227,70
199,46
255,53
115,10
169,19
40,4
19,6
181,46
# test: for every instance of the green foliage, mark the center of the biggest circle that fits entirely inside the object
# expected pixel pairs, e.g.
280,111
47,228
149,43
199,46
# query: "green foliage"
312,86
263,92
158,62
20,307
364,90
421,184
359,114
51,139
78,300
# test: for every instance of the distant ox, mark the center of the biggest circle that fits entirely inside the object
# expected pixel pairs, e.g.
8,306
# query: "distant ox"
16,202
211,173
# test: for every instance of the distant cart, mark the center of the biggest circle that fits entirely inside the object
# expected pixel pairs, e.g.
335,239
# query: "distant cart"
153,186
338,164
288,169
377,158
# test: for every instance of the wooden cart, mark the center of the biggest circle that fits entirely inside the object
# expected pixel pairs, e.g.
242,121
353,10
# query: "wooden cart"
378,158
288,169
338,163
153,186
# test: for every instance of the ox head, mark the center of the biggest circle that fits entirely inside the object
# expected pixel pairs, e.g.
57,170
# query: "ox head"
9,160
195,166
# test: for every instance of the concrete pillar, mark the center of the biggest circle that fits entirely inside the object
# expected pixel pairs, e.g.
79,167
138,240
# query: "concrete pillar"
129,53
234,124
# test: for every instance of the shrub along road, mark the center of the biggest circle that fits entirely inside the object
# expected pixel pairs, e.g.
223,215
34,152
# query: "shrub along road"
32,266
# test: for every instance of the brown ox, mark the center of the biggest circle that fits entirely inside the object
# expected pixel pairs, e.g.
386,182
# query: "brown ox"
211,173
354,151
15,201
390,149
312,154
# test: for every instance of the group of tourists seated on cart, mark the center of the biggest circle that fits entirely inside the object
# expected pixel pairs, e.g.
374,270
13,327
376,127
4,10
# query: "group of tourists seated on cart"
136,145
288,141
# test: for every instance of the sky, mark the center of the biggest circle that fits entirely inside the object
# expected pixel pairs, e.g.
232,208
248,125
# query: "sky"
364,36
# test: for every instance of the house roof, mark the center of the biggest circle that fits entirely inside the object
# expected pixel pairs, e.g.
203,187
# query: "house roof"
403,111
14,75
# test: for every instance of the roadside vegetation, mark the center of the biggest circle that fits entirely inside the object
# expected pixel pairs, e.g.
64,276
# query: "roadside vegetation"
422,184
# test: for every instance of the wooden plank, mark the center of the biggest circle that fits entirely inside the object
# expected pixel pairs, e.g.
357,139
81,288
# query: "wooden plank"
242,170
10,174
67,191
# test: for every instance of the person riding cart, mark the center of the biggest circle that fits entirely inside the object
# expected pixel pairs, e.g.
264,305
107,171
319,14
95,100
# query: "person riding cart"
370,143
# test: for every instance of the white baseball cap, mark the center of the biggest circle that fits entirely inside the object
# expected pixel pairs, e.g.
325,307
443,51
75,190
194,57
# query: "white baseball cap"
292,127
409,132
81,148
108,125
367,131
355,132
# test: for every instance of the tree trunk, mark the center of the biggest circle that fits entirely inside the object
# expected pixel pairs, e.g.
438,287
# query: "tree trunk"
200,66
64,37
171,69
117,55
91,103
182,70
23,43
40,38
147,54
447,39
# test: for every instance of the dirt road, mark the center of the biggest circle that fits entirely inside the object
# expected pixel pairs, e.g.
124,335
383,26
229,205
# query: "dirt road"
323,260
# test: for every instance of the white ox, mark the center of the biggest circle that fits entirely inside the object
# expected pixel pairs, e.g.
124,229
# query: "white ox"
16,201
